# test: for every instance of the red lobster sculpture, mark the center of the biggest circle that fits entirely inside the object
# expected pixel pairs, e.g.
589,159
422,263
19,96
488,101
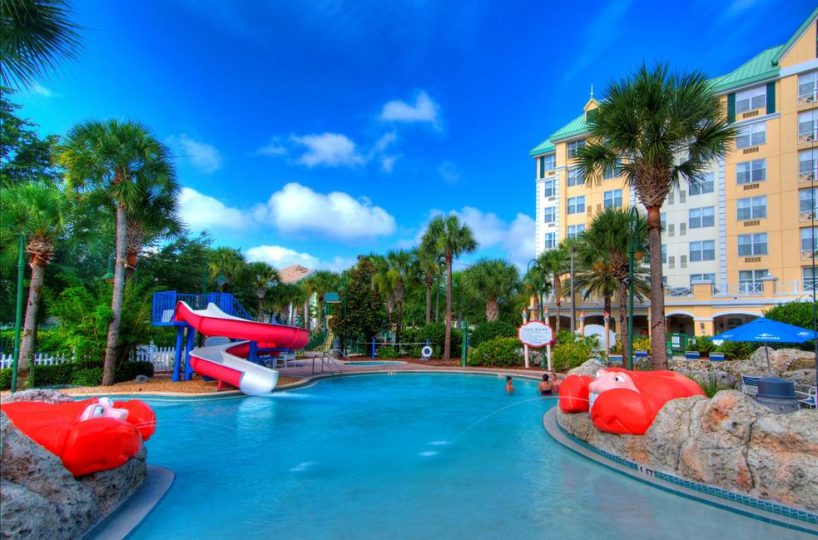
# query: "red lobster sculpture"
90,435
622,401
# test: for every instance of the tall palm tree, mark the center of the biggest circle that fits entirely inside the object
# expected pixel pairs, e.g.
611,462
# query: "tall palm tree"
284,295
121,160
554,263
533,281
38,210
225,266
492,279
659,129
429,268
320,283
450,239
264,277
401,268
154,217
34,34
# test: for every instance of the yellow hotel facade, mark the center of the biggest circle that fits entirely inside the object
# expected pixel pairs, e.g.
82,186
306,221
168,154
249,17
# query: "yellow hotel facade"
737,243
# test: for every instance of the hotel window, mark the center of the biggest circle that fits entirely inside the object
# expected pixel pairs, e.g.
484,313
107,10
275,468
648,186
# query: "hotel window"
702,277
807,126
549,188
550,240
807,242
808,202
576,205
751,208
664,254
750,172
751,135
809,278
574,146
808,165
751,99
575,178
703,251
808,87
752,281
698,218
575,230
548,163
612,172
613,199
705,184
752,245
550,214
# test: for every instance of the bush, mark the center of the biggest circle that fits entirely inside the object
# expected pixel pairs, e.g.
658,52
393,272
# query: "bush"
128,371
571,354
5,379
90,376
490,330
56,375
641,344
502,351
701,344
435,333
387,351
736,350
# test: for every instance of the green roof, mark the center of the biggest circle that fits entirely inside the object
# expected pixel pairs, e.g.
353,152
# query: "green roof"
761,67
543,148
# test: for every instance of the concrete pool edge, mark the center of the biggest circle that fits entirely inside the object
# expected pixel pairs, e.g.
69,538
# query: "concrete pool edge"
130,512
804,521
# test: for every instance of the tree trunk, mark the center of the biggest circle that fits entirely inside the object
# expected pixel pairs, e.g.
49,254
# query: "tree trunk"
492,310
658,345
399,301
116,301
428,301
32,307
558,301
261,308
623,315
448,334
606,313
306,313
320,316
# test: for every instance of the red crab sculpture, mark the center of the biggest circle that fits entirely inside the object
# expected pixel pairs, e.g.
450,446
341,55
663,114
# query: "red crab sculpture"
88,436
622,401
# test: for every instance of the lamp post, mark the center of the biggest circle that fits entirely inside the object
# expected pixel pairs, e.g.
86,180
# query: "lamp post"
634,245
573,296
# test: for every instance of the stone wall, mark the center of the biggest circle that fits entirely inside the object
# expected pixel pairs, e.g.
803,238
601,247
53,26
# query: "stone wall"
729,441
792,364
39,498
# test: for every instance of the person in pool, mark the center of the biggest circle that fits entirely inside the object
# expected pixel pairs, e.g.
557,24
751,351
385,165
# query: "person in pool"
509,385
546,385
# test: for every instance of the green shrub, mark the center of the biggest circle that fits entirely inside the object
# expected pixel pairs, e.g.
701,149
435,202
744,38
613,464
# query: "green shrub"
387,351
712,386
490,330
90,376
502,351
736,350
641,344
128,371
5,379
701,344
58,374
435,333
568,355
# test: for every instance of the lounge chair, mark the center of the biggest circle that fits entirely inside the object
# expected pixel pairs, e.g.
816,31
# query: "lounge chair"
749,384
807,396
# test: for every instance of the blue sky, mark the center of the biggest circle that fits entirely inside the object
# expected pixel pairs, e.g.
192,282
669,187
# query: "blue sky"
310,131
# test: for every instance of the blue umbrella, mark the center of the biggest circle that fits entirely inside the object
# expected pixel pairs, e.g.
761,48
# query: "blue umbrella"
763,330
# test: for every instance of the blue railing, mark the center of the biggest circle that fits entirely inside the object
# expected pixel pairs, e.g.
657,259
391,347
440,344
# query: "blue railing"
164,305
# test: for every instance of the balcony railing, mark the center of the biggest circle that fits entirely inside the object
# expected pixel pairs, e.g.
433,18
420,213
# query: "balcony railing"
809,96
807,253
806,137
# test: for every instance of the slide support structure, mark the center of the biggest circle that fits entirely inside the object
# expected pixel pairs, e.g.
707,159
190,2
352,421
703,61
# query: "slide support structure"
177,363
191,341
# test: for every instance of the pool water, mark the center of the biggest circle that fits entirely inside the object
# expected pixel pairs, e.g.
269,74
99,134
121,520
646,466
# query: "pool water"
403,456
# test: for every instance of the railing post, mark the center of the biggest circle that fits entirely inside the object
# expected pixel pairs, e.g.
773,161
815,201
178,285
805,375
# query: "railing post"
180,340
373,347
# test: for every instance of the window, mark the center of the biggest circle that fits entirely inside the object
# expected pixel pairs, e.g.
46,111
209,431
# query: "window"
671,229
670,196
752,245
807,241
574,146
575,230
550,214
576,205
751,135
575,178
548,163
613,199
751,281
705,184
808,87
807,126
683,261
694,278
751,99
703,251
698,218
610,173
750,172
809,279
808,202
682,229
664,254
682,196
808,164
671,262
550,240
751,208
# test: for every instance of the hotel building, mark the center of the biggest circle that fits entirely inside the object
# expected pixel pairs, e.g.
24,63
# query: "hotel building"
740,241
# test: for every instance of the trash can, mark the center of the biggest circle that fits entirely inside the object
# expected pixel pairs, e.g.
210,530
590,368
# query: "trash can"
776,394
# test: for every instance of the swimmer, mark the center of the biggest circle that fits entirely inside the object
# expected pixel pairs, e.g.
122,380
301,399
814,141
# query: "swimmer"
546,386
509,385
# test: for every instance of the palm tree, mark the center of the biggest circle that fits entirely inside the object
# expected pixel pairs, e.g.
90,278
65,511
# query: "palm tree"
492,279
263,277
429,268
659,129
401,268
121,160
33,35
225,266
38,210
449,238
319,284
554,263
155,217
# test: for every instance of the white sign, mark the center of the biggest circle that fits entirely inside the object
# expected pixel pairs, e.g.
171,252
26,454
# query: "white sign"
535,334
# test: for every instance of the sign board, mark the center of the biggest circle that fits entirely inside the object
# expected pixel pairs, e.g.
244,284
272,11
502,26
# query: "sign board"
535,334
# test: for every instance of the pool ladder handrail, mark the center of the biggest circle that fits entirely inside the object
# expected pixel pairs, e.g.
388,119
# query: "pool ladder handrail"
327,363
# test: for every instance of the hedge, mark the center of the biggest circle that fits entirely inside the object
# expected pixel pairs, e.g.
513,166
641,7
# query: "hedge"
503,351
490,330
84,373
5,378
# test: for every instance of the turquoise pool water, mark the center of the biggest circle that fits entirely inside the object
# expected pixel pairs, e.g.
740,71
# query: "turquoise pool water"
404,456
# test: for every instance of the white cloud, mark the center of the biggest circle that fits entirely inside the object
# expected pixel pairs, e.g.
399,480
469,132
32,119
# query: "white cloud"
37,89
297,208
388,163
448,172
273,148
202,156
328,149
200,211
424,110
282,257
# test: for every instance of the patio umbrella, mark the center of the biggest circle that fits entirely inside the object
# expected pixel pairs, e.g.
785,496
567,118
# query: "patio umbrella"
763,330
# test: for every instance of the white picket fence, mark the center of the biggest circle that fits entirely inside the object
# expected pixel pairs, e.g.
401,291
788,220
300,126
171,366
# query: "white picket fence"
162,358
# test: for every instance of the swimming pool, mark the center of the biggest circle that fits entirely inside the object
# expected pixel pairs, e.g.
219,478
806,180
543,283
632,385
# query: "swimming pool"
403,456
374,363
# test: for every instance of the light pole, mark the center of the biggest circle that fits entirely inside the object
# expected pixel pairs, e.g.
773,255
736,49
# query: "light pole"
573,299
634,245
